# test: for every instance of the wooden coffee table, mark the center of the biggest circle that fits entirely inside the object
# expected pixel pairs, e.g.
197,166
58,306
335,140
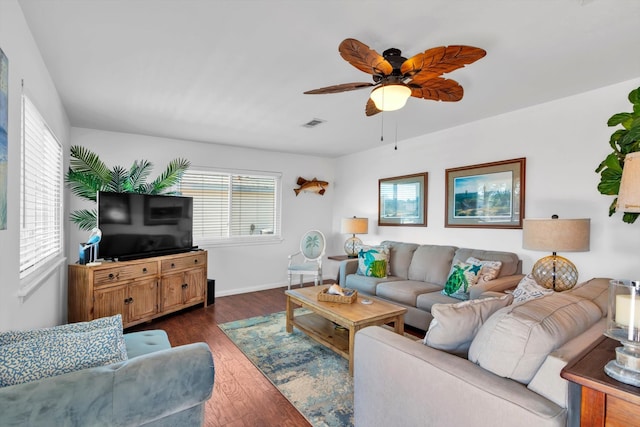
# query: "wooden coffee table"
320,324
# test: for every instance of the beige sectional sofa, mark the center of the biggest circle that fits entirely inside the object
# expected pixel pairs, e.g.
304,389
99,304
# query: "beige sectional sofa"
418,273
510,378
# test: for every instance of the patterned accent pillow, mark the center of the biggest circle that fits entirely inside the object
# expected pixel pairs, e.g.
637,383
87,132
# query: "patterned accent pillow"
490,269
462,276
115,321
55,354
529,289
373,261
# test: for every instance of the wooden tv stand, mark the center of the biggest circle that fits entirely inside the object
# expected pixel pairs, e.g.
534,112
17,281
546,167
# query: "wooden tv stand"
140,290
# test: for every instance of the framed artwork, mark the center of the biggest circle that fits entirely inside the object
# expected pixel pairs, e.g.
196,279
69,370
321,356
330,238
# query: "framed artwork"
403,200
488,195
4,142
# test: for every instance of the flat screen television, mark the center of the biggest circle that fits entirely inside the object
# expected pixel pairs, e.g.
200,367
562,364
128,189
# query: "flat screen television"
143,225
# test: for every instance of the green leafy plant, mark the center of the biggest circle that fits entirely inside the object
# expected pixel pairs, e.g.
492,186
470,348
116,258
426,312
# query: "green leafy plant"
623,141
88,174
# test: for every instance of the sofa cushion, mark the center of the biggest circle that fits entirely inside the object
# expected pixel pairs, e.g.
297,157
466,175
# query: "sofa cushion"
510,262
428,300
115,321
455,325
55,354
431,263
405,291
373,261
400,256
529,289
463,275
144,342
366,284
515,341
595,290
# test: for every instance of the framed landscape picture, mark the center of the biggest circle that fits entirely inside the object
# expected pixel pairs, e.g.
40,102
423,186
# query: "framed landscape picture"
4,124
489,195
402,200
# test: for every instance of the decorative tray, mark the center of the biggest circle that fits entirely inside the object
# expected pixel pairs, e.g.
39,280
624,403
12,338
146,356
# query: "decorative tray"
350,295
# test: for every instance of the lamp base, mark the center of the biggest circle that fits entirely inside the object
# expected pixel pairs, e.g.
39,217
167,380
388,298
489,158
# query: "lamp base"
555,272
626,367
351,246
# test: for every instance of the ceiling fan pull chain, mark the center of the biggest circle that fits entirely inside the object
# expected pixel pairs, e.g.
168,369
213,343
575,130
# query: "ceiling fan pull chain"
382,127
396,147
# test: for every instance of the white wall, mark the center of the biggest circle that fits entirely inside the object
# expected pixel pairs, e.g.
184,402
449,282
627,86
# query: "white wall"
46,306
563,142
236,269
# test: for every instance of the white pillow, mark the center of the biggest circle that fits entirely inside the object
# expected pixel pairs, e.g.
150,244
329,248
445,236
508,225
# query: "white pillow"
490,269
529,289
455,325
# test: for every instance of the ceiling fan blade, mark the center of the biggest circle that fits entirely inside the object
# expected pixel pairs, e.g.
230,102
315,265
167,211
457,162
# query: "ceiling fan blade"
344,87
364,58
437,89
371,108
439,60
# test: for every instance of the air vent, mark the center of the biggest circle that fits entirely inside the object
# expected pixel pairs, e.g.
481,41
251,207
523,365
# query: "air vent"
313,123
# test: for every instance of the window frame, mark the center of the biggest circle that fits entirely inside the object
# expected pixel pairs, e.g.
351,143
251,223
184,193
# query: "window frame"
229,239
35,272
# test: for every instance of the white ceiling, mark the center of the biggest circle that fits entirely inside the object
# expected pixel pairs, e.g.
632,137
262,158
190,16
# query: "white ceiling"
234,71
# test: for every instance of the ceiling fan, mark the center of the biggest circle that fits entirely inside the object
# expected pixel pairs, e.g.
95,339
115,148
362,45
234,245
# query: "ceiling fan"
396,78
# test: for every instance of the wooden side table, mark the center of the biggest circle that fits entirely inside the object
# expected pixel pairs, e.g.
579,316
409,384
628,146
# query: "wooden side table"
604,401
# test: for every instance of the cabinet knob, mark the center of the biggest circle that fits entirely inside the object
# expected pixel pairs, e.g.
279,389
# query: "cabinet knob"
173,265
113,276
144,270
195,261
185,286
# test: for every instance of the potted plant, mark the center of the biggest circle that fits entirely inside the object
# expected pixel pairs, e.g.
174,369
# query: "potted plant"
87,175
622,141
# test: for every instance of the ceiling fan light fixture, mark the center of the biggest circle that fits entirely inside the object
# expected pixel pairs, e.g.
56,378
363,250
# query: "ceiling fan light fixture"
390,97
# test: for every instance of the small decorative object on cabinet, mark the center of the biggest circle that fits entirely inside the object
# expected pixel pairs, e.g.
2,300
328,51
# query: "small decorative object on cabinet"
140,290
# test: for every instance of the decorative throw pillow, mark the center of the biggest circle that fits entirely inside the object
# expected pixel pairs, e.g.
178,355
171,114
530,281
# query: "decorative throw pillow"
461,277
115,321
490,269
529,289
455,325
55,354
373,261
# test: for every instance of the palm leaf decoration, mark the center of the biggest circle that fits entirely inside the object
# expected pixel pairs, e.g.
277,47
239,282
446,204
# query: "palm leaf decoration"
87,175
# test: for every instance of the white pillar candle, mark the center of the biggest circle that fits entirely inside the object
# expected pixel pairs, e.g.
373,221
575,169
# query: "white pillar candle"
627,306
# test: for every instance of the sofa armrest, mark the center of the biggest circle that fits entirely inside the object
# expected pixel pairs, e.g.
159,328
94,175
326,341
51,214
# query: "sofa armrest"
390,368
133,392
499,284
348,266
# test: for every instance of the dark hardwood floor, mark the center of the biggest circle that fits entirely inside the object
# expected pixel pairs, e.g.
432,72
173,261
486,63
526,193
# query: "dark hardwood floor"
242,396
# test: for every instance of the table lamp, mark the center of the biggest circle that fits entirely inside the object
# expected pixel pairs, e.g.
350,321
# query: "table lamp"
353,226
556,235
623,324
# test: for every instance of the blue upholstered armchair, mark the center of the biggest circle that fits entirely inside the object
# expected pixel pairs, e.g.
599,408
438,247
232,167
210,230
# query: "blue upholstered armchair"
156,385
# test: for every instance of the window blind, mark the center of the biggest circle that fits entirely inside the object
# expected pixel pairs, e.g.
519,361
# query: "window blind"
41,192
232,205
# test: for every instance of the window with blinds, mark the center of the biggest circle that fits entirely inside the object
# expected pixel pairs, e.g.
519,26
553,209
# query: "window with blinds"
40,193
232,206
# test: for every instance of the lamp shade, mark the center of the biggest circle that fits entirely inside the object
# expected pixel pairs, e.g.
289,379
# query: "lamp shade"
354,225
629,193
556,235
390,97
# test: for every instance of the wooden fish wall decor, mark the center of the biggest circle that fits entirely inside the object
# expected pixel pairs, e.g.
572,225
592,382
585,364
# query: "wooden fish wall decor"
313,186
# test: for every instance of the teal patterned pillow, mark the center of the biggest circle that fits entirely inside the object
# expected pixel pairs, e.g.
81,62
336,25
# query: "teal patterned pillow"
462,276
373,261
55,354
115,321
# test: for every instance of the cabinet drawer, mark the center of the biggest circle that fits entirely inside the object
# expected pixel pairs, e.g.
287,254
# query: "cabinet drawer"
196,260
125,272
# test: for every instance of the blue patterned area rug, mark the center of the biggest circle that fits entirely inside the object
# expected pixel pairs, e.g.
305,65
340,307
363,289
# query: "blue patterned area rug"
313,378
